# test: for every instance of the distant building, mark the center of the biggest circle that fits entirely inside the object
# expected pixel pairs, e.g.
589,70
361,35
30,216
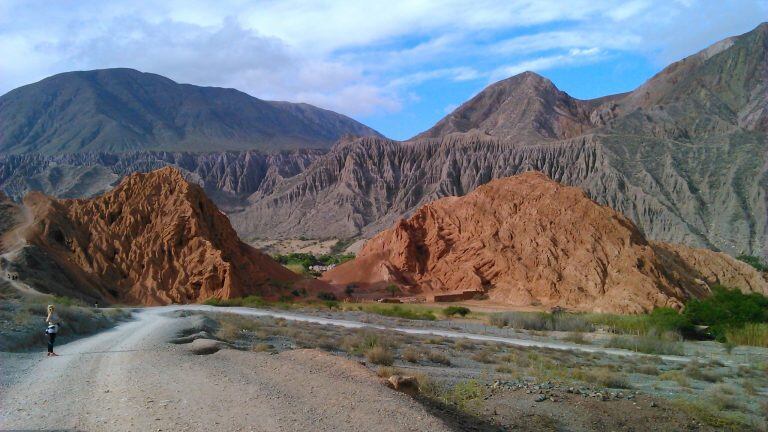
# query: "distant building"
321,268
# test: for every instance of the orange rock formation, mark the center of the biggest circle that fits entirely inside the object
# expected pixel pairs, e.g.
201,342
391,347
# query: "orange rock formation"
154,239
527,240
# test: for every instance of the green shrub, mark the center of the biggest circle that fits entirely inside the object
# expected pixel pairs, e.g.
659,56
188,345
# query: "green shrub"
668,319
403,312
331,304
465,395
754,261
302,261
456,310
327,296
249,301
727,309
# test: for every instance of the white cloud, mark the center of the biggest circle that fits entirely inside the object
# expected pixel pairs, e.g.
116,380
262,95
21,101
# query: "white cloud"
574,56
453,74
356,57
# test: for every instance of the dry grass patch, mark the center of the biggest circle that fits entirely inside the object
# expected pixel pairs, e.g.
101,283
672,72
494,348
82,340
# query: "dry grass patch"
411,355
262,347
697,371
387,371
438,357
379,356
676,376
486,355
750,334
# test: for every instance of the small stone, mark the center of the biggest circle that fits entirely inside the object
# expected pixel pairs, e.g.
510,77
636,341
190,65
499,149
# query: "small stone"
653,404
541,398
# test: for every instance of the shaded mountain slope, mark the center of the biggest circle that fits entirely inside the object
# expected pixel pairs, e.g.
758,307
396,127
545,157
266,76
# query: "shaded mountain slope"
227,177
527,240
118,110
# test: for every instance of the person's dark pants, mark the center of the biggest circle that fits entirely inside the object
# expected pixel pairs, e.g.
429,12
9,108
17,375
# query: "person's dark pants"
51,340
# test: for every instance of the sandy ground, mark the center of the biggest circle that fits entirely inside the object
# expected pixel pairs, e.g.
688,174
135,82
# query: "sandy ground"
130,378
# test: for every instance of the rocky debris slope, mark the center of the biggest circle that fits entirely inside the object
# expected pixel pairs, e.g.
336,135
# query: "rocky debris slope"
229,178
527,240
154,239
119,110
683,156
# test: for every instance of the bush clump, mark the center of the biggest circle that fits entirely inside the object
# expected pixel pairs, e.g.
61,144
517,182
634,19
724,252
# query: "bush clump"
542,321
754,261
380,356
727,309
652,343
403,312
249,301
305,260
456,310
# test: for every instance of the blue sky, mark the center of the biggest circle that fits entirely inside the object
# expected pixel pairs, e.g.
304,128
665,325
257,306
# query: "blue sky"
398,66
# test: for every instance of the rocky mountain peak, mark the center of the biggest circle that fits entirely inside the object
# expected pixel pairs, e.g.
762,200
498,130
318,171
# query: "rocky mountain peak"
525,107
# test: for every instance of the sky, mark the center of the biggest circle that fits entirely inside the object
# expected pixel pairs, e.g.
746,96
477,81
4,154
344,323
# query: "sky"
396,65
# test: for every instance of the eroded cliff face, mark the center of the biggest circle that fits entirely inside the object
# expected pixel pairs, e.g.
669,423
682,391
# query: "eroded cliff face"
154,239
527,240
683,156
229,178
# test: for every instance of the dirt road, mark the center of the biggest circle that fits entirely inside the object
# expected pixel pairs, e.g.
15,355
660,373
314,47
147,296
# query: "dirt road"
130,378
13,242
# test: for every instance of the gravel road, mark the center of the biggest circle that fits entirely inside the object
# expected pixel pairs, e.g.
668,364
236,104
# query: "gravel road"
129,378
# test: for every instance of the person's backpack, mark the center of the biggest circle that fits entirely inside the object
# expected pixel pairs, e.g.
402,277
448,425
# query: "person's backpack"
52,329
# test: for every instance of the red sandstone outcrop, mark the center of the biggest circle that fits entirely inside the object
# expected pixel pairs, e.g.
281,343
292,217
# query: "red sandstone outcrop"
154,239
526,240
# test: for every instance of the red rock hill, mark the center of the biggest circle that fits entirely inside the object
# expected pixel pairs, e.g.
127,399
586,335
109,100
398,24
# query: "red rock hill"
527,240
154,239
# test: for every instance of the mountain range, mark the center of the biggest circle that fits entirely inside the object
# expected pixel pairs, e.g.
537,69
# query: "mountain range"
119,110
683,156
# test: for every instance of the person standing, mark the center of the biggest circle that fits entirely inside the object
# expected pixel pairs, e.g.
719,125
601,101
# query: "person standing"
53,328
